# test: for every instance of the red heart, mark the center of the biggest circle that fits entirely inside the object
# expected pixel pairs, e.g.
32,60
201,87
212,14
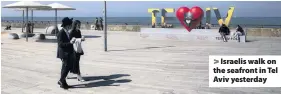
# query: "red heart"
190,18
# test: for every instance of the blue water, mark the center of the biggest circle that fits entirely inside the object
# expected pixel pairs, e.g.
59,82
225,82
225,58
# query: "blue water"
250,21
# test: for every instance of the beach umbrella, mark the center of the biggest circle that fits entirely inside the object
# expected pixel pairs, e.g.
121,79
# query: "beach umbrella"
27,5
23,9
55,7
58,6
22,25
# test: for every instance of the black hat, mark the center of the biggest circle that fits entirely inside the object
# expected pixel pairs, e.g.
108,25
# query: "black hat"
66,21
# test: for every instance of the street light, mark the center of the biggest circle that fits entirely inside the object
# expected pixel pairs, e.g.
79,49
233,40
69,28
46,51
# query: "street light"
105,27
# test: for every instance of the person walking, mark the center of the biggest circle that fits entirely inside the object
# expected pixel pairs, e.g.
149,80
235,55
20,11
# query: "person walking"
101,23
224,30
76,34
28,27
97,24
65,51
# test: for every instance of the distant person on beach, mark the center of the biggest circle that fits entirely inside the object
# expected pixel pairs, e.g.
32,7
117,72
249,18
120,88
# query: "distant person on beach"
97,24
28,27
101,23
76,34
239,32
65,51
207,26
224,30
200,25
8,27
32,27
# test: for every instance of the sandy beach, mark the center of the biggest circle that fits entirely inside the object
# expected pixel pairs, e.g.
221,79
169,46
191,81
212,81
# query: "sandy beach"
132,65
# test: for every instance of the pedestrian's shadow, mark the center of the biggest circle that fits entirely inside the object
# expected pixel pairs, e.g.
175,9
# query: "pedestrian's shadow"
107,81
91,36
47,41
114,76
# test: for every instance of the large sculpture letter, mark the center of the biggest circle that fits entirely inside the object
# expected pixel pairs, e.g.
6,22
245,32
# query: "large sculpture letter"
228,16
153,15
163,12
208,15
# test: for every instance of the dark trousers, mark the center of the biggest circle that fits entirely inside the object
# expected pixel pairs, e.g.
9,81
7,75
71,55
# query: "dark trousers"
32,28
66,67
97,26
101,27
76,68
223,36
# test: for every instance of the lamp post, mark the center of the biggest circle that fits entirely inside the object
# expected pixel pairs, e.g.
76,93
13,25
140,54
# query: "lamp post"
32,24
56,22
105,27
26,22
22,21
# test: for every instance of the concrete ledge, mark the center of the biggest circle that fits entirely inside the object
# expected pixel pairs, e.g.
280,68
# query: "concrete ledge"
264,32
19,25
23,35
133,28
184,35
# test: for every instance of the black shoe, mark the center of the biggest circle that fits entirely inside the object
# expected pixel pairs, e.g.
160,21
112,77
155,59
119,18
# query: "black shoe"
63,85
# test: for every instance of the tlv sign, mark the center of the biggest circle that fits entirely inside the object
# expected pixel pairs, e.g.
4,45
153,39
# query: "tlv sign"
191,17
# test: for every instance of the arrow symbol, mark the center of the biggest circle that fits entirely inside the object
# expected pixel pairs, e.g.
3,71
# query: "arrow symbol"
216,61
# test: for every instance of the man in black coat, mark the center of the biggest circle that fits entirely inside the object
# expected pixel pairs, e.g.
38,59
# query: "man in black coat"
65,51
224,30
97,26
101,23
28,27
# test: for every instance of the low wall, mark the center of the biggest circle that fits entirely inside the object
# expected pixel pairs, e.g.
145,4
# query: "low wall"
264,32
134,28
184,35
39,25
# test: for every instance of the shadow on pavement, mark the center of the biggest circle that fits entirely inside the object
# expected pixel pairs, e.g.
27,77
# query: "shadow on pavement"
114,76
47,41
143,48
108,81
91,36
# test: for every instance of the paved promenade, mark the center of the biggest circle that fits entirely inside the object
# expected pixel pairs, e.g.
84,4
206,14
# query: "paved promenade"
131,66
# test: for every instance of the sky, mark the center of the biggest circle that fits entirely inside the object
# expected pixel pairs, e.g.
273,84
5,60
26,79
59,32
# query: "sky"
139,8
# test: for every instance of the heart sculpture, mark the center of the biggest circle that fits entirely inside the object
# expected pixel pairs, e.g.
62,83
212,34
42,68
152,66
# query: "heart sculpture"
190,18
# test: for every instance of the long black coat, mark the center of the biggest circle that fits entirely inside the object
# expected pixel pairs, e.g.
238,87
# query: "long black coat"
225,30
75,68
76,34
65,48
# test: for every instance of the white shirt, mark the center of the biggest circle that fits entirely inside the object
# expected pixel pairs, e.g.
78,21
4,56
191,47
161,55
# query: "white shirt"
78,46
67,32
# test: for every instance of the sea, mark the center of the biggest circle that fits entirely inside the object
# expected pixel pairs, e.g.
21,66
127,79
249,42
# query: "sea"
243,21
